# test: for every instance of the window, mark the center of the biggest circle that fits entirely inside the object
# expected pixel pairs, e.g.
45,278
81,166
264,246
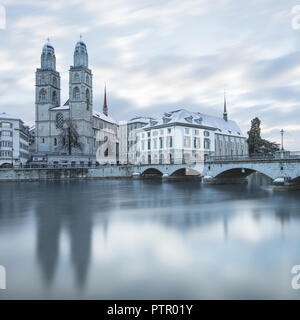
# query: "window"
42,95
187,142
206,133
54,98
169,130
143,145
55,141
49,58
76,93
87,95
59,120
161,132
149,144
155,143
43,140
196,132
54,82
206,144
187,131
87,79
148,134
161,142
76,78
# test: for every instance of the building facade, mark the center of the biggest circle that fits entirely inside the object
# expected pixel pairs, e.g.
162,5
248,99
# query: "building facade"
69,132
128,138
14,141
181,136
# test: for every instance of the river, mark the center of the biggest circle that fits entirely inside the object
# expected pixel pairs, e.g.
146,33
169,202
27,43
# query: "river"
148,239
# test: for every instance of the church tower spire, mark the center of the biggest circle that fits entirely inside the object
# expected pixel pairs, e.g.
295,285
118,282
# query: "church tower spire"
225,116
105,108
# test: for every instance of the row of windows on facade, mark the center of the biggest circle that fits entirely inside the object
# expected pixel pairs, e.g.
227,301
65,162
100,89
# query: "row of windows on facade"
76,78
54,82
6,125
169,130
6,153
169,143
6,133
6,144
168,158
24,146
43,81
54,97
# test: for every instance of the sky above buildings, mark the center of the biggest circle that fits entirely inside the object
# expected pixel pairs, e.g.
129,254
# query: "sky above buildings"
163,55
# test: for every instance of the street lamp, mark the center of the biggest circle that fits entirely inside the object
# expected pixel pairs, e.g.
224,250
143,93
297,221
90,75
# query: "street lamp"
282,132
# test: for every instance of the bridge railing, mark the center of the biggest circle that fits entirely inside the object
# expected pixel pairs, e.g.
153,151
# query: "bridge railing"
284,155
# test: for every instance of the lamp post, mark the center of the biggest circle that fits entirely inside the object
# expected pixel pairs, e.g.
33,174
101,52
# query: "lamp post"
282,132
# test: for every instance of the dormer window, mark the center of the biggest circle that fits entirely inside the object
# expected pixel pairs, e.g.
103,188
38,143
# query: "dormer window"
189,119
198,121
166,120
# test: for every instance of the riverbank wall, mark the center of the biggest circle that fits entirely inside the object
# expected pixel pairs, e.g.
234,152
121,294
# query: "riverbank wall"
39,174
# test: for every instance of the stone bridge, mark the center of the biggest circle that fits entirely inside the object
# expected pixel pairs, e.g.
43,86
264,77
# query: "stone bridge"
231,171
168,170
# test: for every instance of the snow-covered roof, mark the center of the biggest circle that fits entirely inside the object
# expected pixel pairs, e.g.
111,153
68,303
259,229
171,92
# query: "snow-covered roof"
103,117
185,117
64,107
4,115
32,128
140,119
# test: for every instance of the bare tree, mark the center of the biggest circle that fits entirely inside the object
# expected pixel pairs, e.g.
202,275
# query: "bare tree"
69,137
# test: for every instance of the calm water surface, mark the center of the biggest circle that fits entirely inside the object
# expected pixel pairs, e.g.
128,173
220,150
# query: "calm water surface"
123,239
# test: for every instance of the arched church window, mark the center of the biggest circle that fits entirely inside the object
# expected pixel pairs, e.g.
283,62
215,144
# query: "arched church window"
54,97
43,79
76,77
42,95
76,93
49,58
59,120
54,82
87,94
87,79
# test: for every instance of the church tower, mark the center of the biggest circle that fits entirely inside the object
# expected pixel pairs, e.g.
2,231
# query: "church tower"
47,96
81,98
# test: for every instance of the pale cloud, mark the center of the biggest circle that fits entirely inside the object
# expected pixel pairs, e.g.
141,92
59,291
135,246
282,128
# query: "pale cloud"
157,56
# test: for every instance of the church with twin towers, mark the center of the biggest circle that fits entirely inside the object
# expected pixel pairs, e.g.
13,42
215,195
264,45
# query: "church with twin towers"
71,128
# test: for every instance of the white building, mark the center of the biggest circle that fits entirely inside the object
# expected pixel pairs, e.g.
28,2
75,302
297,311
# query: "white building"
14,141
182,136
53,119
128,139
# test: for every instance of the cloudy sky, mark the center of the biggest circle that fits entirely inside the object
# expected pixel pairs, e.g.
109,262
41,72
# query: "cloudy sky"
162,55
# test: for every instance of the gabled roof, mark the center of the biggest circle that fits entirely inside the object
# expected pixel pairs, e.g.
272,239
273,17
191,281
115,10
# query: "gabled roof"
64,107
103,117
185,117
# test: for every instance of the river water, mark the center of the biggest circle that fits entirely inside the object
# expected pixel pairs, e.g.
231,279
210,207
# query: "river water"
148,239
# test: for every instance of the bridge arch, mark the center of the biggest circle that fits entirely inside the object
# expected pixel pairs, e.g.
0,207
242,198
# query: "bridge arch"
150,172
239,173
185,172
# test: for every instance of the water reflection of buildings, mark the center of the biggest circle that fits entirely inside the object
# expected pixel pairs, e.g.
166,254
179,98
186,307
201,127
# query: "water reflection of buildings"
70,207
65,214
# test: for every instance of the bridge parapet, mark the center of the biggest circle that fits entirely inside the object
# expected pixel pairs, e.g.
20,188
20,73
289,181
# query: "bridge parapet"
282,155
